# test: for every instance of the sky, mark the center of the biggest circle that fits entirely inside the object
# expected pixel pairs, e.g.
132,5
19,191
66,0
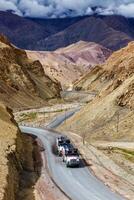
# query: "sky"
68,8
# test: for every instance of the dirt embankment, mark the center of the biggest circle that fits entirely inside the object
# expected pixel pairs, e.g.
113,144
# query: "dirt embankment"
20,160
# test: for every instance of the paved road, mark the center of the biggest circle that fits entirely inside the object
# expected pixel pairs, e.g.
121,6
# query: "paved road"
78,184
74,96
77,92
59,120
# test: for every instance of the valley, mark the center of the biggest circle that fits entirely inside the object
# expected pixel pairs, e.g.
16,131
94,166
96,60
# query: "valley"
93,159
71,77
98,154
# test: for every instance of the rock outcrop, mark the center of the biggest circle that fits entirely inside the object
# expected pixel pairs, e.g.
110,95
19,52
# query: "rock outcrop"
23,82
17,160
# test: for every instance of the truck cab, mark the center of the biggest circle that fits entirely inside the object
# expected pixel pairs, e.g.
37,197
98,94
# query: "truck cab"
62,145
66,150
62,148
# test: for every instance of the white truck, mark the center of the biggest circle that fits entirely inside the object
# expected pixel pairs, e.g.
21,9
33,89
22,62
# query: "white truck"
69,154
71,158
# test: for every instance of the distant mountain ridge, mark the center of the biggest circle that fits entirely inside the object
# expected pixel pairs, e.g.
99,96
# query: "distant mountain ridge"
68,64
112,32
25,32
92,29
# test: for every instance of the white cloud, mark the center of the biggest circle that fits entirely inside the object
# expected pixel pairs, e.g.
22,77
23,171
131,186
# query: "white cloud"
34,8
62,8
9,5
126,10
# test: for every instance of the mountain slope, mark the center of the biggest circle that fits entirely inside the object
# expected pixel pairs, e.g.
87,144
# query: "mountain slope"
24,32
91,29
110,115
120,23
67,64
113,32
86,53
21,31
23,82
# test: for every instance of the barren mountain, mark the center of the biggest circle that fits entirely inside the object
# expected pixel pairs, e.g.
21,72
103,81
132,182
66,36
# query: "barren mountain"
85,53
23,82
25,32
67,64
110,115
120,23
92,29
112,32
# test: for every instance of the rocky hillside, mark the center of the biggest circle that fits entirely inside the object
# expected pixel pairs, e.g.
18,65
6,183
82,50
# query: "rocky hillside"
23,82
16,155
110,115
84,53
67,64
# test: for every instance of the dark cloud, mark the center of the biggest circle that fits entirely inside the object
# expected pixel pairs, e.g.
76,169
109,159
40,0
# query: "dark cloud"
63,8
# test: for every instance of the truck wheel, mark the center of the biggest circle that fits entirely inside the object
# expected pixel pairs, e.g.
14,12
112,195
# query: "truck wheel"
67,165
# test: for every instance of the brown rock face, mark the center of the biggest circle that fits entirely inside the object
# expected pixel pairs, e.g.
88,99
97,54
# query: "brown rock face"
22,81
16,155
112,74
68,64
110,115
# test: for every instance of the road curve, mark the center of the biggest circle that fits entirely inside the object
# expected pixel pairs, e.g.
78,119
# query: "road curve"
77,183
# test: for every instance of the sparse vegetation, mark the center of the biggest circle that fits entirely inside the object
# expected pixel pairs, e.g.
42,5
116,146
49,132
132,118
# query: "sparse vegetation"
28,116
128,154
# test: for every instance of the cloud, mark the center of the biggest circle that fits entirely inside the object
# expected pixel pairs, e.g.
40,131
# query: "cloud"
9,5
66,8
126,10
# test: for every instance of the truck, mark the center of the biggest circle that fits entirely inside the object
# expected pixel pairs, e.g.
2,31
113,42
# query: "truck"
62,144
61,148
71,158
68,148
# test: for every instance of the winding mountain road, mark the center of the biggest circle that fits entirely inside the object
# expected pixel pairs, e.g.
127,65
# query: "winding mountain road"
77,183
